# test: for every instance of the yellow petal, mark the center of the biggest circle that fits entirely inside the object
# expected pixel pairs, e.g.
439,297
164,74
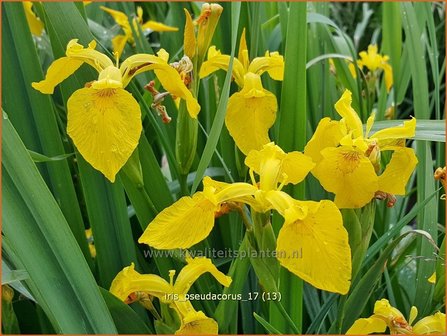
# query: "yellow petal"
194,322
351,67
217,61
388,70
250,114
413,315
158,27
348,174
432,278
119,17
34,23
189,36
365,326
182,225
236,192
173,83
169,77
273,63
286,205
328,134
105,126
274,166
119,43
383,309
195,268
129,281
109,78
371,59
89,55
199,326
343,107
316,246
405,131
243,51
58,71
398,171
434,324
370,123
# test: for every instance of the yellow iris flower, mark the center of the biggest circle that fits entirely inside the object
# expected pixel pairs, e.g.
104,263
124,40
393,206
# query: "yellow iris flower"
348,159
129,286
34,23
104,120
252,110
373,62
315,227
119,41
385,316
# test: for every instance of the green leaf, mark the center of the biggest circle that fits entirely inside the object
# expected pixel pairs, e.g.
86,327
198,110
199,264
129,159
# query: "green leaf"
126,320
105,202
271,329
360,294
37,157
219,118
60,279
33,115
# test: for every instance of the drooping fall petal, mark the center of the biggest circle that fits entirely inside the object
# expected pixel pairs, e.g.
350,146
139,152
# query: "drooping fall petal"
194,322
347,173
250,114
366,326
105,126
316,247
198,325
398,171
434,324
182,225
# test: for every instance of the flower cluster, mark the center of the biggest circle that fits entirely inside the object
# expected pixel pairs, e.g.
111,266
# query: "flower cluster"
307,223
385,316
348,158
131,286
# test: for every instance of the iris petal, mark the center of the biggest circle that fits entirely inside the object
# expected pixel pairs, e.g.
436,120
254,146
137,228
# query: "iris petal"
129,281
182,225
58,71
366,326
317,245
398,171
349,175
250,114
105,126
